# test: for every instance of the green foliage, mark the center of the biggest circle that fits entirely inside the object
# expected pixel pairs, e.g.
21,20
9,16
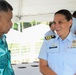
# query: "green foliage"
15,26
26,25
34,22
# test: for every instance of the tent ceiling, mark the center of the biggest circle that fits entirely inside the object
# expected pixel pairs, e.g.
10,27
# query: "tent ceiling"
28,10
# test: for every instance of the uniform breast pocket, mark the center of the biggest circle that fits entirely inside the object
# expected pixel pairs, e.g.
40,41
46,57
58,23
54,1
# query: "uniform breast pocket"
71,56
53,54
71,50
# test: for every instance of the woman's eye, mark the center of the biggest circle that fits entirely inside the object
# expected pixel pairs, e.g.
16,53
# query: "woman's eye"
60,22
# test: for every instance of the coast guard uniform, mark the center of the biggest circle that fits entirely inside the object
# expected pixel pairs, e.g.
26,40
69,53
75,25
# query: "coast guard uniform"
60,54
5,65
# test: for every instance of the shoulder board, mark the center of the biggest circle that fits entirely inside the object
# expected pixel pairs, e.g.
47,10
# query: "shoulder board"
50,37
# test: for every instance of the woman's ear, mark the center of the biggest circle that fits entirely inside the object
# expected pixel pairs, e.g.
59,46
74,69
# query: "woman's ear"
70,22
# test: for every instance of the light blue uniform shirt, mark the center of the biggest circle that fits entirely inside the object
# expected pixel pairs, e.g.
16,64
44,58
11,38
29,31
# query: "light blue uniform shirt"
60,54
50,32
5,63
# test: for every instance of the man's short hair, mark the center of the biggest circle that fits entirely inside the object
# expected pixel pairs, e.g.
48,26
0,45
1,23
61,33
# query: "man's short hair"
50,23
5,6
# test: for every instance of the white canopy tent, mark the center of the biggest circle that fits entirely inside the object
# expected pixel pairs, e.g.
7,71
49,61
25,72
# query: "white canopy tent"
14,36
34,33
39,10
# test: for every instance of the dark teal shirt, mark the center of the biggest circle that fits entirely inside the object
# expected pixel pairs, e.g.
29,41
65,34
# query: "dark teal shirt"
5,62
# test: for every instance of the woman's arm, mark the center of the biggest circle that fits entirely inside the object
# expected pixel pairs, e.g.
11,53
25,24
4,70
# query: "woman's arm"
44,69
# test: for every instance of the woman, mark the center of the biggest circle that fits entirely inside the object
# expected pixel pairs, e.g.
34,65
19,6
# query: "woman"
58,55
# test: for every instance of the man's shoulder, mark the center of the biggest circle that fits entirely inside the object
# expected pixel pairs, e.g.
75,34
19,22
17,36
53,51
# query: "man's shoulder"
50,32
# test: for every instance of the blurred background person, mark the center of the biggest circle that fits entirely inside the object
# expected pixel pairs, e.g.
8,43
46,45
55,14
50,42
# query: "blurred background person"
51,31
73,28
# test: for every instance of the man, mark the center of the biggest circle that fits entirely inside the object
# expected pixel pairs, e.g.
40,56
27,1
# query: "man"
5,25
73,28
51,33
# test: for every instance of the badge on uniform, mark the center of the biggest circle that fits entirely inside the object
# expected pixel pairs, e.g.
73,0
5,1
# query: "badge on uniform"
53,46
50,37
73,44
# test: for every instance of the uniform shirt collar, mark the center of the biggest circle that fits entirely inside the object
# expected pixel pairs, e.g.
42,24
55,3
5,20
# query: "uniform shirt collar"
69,37
3,38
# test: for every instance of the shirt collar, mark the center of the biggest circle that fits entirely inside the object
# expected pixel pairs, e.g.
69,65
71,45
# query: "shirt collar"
3,38
69,37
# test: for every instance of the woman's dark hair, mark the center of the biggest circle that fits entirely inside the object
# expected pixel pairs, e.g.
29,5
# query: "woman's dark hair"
66,13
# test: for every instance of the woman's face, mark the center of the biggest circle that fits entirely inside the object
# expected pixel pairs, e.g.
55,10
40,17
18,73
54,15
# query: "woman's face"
62,26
